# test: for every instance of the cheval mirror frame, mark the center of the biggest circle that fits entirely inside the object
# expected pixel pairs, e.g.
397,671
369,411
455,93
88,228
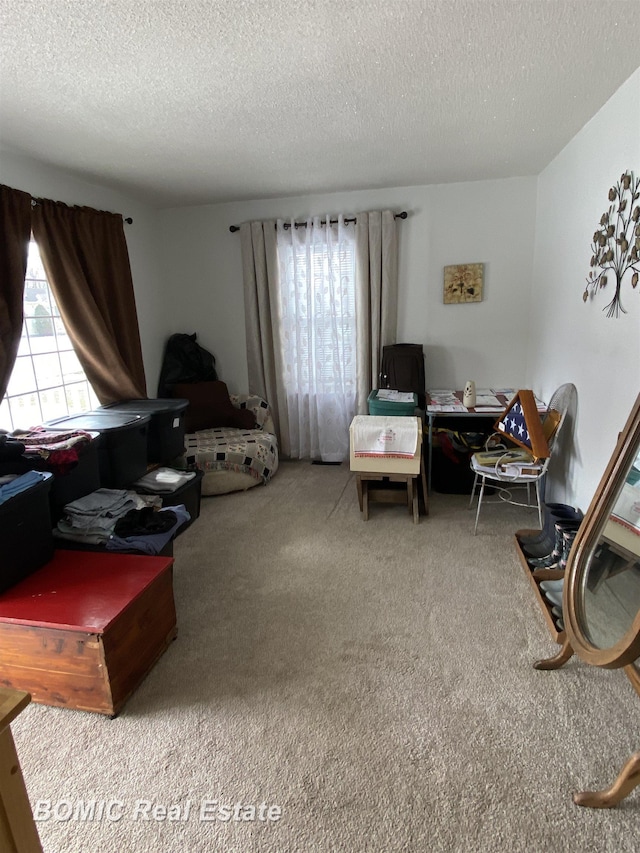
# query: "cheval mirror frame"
624,650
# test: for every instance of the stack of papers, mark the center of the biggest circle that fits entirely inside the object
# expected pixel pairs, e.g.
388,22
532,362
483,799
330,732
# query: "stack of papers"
395,396
444,401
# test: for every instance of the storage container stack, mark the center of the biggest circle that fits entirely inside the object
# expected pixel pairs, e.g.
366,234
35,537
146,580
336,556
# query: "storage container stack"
25,517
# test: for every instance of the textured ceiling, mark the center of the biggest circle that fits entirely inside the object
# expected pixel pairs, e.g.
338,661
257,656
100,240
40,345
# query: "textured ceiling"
183,102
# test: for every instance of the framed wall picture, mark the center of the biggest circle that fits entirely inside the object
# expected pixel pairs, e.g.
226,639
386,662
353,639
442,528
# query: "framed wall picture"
463,283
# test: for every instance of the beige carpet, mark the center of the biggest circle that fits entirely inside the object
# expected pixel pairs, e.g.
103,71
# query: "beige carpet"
371,680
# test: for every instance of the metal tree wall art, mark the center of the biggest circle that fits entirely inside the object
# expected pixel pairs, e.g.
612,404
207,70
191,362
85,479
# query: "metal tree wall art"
616,243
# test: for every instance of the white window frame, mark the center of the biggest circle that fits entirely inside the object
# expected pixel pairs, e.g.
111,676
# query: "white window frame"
47,380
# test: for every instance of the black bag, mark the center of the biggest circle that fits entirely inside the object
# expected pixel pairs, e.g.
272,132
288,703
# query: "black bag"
451,472
403,369
185,361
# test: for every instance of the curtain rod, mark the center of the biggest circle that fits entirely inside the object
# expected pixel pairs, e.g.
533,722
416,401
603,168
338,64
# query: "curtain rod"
402,215
35,201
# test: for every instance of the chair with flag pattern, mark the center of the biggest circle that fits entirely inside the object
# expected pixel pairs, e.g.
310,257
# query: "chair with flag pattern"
519,452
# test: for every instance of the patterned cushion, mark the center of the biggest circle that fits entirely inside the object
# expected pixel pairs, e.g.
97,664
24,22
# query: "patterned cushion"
250,451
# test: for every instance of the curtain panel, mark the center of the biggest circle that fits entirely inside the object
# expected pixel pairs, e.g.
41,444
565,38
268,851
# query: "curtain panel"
84,253
376,295
15,232
260,282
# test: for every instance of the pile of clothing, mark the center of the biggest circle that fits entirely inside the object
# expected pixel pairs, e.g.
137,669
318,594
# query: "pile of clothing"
13,484
162,481
11,457
48,450
121,520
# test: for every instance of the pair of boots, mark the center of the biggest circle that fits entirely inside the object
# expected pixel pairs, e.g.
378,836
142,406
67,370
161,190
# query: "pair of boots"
543,543
565,533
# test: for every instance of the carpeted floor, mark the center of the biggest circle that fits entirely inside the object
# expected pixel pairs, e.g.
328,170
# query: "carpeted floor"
371,683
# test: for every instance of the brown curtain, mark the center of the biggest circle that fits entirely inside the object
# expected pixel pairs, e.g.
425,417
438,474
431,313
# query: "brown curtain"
15,231
85,256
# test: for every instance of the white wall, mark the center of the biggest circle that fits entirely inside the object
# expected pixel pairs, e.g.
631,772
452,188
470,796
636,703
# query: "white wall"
44,181
577,342
487,221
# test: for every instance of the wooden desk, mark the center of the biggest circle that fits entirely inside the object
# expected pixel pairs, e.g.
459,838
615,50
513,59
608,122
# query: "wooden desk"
83,631
18,833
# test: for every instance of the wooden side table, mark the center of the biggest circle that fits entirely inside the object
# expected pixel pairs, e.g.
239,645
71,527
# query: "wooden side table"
18,833
384,495
370,470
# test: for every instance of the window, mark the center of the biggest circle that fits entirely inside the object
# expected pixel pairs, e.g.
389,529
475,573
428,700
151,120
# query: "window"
318,313
47,380
317,336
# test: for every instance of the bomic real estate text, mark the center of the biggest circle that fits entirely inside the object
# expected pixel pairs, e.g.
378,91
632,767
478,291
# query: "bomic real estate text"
116,810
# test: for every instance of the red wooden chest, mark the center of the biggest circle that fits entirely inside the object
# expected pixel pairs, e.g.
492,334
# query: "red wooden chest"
84,630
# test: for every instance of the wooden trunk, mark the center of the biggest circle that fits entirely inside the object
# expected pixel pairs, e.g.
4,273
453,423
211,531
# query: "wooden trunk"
83,631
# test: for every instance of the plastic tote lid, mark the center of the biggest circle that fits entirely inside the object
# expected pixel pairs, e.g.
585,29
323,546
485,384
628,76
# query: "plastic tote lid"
148,407
99,421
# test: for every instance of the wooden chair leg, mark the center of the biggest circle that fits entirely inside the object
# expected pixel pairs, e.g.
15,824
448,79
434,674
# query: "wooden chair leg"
365,500
359,488
18,832
423,478
416,508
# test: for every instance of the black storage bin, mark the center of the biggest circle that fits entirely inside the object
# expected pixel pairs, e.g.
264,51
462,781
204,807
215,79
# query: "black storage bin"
166,427
451,477
451,471
79,481
122,449
26,538
70,545
189,494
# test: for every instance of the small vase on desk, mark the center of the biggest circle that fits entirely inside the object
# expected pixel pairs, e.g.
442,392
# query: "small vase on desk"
469,396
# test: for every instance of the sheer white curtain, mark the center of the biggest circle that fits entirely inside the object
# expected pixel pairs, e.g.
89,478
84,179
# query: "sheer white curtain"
317,313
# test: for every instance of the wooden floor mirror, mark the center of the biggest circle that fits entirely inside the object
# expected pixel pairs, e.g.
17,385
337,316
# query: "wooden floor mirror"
601,594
